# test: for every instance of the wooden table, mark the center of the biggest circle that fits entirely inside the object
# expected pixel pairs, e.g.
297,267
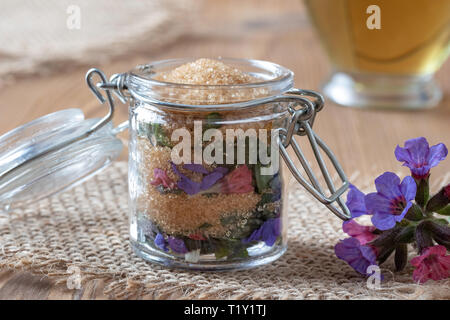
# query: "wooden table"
278,31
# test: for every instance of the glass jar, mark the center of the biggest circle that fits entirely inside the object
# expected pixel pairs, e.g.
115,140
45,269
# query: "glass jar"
207,185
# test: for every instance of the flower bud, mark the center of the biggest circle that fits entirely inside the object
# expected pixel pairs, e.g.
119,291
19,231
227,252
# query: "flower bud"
423,237
439,200
414,213
401,257
440,230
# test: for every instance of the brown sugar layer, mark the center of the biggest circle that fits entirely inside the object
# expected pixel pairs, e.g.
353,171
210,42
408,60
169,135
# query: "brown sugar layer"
180,214
206,72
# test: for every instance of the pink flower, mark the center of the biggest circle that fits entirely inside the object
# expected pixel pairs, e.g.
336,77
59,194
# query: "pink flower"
362,233
237,181
161,178
432,264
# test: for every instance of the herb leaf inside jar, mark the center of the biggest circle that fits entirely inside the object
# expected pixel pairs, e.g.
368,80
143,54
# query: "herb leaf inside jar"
155,133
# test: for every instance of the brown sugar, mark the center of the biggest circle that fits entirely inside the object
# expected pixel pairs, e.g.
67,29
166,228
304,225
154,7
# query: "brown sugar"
206,72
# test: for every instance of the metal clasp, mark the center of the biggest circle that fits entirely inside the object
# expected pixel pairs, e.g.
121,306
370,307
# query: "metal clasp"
301,122
116,85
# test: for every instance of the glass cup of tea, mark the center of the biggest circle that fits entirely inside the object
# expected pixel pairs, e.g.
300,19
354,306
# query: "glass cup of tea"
384,52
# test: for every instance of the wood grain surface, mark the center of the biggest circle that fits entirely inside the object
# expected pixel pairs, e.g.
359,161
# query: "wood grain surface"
278,31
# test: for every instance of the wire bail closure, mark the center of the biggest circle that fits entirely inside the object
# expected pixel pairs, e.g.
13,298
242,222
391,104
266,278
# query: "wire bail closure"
300,124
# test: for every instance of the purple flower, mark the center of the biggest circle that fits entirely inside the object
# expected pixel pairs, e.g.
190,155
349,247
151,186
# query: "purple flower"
355,202
160,242
192,187
211,179
358,256
419,157
186,184
177,245
195,168
268,232
391,201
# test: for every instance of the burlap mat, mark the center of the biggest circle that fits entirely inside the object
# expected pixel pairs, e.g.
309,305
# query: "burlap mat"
87,227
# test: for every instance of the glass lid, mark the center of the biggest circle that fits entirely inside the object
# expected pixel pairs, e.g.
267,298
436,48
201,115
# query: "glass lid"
51,154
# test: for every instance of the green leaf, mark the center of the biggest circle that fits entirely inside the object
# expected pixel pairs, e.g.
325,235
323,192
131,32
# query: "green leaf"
239,252
230,249
211,121
265,198
221,252
445,211
160,136
155,133
262,181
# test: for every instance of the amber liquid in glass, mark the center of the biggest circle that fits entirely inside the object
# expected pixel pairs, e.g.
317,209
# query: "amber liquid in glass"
413,38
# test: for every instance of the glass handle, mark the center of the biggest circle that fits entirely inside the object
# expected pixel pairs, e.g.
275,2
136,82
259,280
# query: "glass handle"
303,112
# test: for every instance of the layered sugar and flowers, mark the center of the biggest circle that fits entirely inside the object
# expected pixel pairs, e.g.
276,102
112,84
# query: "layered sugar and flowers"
221,208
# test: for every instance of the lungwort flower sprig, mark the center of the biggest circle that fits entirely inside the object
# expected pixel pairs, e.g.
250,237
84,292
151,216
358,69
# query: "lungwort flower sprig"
402,213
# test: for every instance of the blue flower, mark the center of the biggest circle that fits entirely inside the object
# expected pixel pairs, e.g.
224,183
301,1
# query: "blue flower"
175,244
355,202
358,256
419,157
391,201
160,242
268,232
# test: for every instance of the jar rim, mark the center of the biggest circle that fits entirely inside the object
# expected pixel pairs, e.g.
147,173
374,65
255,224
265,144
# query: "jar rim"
142,86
